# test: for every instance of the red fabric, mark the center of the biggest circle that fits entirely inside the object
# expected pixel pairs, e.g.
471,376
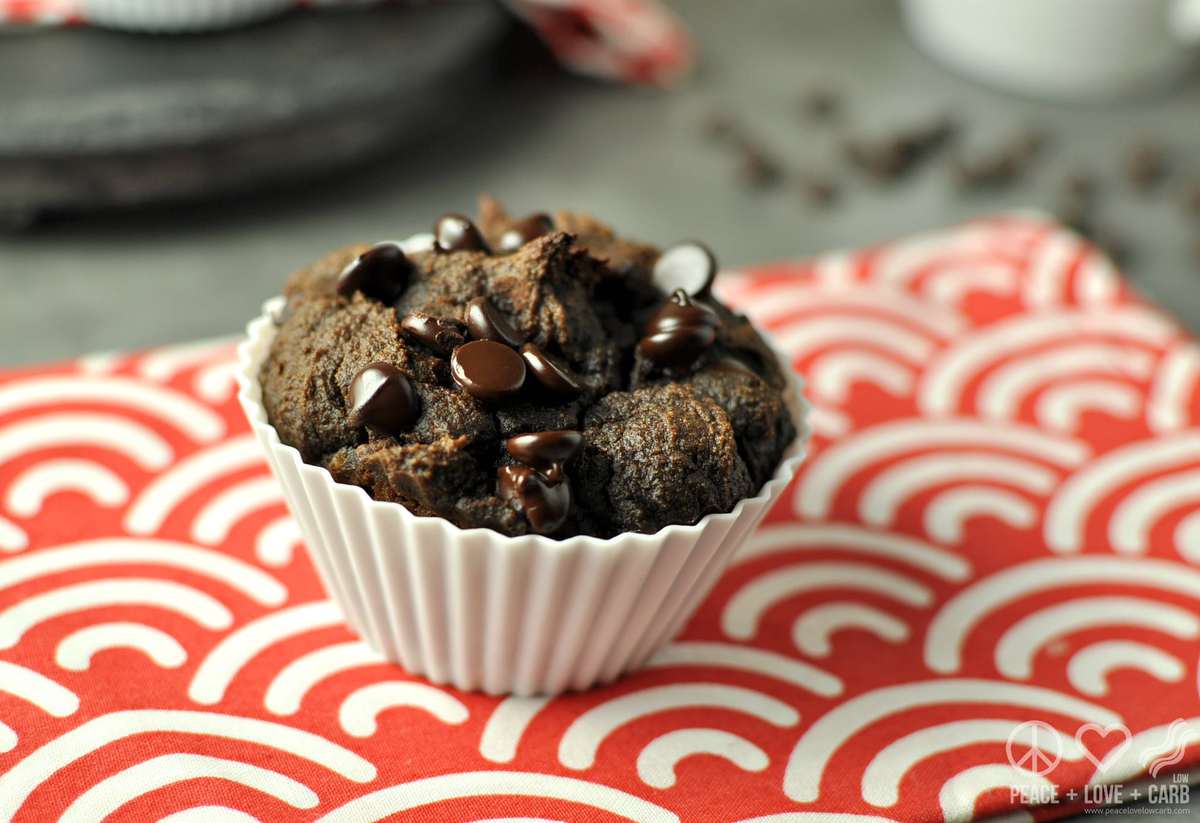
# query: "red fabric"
1004,465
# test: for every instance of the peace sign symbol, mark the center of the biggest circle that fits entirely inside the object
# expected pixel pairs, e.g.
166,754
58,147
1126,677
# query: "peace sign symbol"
1045,747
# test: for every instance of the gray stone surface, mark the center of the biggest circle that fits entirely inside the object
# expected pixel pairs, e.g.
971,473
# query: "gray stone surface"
633,155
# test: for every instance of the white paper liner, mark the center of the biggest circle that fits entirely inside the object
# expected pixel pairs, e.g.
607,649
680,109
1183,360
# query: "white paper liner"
178,15
484,611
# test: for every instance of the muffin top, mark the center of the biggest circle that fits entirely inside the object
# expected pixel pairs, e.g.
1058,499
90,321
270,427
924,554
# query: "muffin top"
529,375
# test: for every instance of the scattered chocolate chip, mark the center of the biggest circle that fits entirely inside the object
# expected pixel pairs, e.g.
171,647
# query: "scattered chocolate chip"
892,157
383,400
485,322
1191,198
678,348
820,104
545,506
1146,165
720,126
819,192
1029,144
689,266
549,372
488,370
453,232
381,273
441,334
544,450
682,311
521,232
757,168
1080,185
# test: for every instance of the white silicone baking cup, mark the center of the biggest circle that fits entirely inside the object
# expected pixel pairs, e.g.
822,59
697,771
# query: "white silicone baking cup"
484,611
178,15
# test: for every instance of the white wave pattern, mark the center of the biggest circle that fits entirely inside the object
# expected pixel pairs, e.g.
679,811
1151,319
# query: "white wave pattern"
12,537
818,744
747,659
1005,389
1088,668
882,778
1019,645
944,381
785,300
818,817
75,651
951,285
947,632
832,468
133,440
217,382
579,744
1187,537
1078,496
1049,266
29,491
359,712
210,814
156,501
164,363
200,607
901,548
232,572
113,792
37,689
275,542
813,630
25,776
288,688
657,761
828,422
1174,384
838,331
886,492
948,512
960,793
1134,517
745,609
383,803
507,723
1060,407
218,517
238,648
832,376
197,421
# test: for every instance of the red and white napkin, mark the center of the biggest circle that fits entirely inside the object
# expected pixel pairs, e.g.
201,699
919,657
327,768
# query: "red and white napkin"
982,590
632,41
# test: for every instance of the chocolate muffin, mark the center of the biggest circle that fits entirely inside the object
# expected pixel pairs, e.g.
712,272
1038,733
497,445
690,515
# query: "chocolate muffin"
528,375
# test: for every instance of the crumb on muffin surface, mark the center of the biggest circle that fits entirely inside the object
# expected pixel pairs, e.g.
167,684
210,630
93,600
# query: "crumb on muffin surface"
451,380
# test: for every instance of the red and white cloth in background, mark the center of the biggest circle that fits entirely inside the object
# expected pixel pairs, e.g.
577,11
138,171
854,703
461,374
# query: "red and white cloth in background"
632,41
999,525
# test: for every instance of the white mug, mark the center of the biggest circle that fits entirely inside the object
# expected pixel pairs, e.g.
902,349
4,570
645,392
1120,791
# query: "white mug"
1066,49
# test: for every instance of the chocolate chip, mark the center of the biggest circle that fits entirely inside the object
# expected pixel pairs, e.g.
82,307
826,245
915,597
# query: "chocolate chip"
1191,198
757,169
721,126
544,450
1146,165
681,311
690,266
441,334
891,157
453,232
383,400
820,104
549,372
545,506
1080,185
818,191
521,232
380,273
485,322
678,348
488,370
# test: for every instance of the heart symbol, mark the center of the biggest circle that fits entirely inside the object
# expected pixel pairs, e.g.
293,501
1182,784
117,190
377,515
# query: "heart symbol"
1100,734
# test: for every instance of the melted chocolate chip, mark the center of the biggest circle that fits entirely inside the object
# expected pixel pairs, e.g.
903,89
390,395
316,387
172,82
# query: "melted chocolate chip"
678,348
681,311
380,273
545,506
545,451
485,322
689,266
549,372
521,232
383,400
441,334
488,370
453,232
